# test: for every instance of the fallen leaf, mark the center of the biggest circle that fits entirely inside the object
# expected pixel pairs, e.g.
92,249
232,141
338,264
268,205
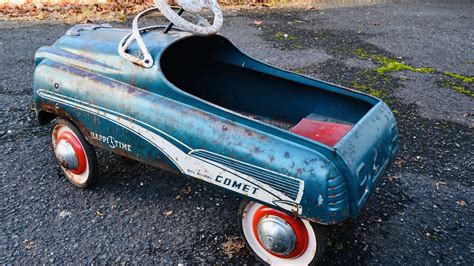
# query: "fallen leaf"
439,183
233,246
187,190
99,213
167,213
64,214
41,16
178,197
461,203
310,7
399,161
39,5
30,245
257,22
393,178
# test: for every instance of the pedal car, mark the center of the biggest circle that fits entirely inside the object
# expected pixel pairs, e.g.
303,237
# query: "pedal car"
302,152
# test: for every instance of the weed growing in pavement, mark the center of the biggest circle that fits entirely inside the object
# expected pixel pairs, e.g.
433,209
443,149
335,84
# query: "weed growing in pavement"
283,36
454,85
462,78
458,82
389,64
373,83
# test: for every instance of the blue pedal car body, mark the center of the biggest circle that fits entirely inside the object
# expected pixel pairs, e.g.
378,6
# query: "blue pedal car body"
219,116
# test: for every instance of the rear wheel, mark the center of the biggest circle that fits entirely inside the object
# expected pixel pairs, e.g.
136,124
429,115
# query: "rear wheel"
278,238
75,155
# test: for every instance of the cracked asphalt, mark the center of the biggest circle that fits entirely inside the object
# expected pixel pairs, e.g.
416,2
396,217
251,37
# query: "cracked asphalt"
421,213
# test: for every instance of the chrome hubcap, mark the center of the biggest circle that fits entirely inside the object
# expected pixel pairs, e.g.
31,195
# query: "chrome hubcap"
276,235
66,155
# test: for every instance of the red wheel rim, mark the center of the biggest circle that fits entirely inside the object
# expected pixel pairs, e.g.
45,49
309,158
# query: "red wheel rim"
296,224
78,150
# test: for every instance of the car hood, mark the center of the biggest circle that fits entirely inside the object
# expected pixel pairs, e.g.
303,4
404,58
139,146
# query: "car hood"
96,51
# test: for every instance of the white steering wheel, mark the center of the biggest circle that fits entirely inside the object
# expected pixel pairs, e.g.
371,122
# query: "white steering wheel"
193,6
199,26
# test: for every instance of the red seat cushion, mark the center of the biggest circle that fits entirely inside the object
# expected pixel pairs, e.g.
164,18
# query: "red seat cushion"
324,132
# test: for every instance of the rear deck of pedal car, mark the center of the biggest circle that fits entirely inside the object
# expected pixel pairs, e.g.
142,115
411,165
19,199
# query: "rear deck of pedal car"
359,130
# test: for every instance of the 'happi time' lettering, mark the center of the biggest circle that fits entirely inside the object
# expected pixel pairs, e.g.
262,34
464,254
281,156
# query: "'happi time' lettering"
111,142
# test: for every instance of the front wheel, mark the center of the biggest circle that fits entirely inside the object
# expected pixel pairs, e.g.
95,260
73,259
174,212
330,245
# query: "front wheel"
278,238
74,154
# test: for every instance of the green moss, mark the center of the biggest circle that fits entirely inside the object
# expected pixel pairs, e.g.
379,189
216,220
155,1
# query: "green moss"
335,244
283,36
464,91
375,84
457,87
381,94
299,70
442,125
392,65
389,64
361,53
462,78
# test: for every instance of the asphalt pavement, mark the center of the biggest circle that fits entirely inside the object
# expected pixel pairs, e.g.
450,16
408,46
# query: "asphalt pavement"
421,213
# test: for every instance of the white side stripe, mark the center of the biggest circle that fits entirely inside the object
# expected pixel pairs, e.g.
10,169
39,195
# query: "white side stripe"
211,172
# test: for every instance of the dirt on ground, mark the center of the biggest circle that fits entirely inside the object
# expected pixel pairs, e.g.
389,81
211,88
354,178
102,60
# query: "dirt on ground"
416,55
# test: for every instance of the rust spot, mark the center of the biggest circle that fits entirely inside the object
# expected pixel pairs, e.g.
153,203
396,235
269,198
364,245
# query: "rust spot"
310,161
299,171
162,165
314,220
271,158
294,211
248,132
257,150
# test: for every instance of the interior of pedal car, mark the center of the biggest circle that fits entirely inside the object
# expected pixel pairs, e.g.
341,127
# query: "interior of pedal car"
214,70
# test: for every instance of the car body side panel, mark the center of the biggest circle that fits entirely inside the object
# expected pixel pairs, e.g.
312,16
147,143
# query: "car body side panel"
157,130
